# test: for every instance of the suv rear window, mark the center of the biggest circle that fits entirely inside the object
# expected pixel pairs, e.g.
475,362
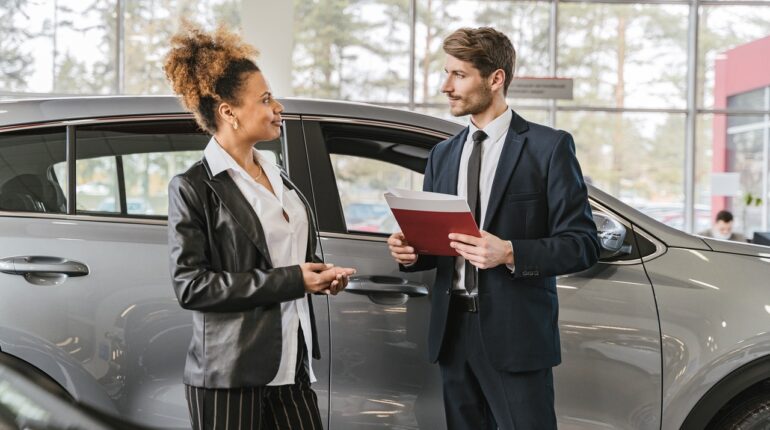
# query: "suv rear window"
32,173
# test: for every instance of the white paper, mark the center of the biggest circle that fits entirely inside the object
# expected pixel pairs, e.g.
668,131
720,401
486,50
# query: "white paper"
399,198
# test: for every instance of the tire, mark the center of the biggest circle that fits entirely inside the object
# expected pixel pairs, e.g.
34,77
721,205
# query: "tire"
749,413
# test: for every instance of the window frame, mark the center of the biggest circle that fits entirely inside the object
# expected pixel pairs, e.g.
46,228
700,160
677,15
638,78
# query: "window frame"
122,212
634,234
331,217
45,129
291,149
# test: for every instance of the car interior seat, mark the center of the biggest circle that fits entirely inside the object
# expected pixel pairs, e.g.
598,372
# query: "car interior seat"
29,192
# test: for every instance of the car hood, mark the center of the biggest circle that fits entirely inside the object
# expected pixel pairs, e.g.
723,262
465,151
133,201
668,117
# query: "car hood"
737,247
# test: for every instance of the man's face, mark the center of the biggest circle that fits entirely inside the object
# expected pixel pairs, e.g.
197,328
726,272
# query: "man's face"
724,229
468,92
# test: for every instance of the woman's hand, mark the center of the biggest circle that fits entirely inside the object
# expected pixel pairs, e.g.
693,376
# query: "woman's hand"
325,278
341,279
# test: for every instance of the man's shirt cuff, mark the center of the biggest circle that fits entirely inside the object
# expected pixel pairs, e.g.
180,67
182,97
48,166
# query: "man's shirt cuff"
511,267
412,263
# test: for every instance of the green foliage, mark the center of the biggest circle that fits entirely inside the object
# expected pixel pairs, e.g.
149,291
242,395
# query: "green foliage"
329,36
749,199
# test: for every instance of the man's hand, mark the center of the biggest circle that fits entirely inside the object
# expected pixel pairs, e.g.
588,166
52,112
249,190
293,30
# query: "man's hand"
484,252
400,249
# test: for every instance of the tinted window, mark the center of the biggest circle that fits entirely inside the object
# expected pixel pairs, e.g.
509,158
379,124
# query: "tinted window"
362,182
125,168
367,161
29,181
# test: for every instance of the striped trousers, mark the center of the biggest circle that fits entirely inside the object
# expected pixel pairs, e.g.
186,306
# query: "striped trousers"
258,408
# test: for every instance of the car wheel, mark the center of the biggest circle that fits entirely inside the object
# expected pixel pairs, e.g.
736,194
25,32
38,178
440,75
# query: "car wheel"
751,413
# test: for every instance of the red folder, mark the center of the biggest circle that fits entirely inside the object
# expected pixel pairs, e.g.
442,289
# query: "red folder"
427,219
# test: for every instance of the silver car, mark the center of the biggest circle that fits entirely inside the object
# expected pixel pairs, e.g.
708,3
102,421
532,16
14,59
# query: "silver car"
33,402
668,331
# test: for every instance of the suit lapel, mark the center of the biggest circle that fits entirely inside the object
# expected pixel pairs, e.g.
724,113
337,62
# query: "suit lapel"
239,208
509,157
453,163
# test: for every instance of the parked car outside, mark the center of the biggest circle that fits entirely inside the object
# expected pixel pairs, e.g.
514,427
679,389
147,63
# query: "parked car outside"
364,216
667,331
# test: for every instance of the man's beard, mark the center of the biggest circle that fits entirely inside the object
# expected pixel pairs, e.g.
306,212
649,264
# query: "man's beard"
479,103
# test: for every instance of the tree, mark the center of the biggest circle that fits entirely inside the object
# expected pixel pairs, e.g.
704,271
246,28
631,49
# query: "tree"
437,17
15,63
598,45
323,29
352,49
527,25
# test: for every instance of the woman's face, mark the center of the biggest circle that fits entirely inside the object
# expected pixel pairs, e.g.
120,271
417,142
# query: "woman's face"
259,114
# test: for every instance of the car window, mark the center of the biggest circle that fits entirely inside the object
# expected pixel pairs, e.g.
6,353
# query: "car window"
361,183
29,181
367,161
97,185
124,169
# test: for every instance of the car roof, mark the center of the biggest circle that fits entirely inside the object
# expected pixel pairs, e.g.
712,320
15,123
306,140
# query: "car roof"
28,111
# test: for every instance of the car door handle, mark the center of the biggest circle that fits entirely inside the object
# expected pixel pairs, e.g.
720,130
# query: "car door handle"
385,285
42,266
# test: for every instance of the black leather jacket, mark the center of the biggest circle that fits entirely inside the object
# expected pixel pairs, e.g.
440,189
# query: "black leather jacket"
221,270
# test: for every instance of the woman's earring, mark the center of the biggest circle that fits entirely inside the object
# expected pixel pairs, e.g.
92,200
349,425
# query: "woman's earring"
235,125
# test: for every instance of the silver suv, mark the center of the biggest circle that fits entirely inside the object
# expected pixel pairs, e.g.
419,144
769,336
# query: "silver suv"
668,331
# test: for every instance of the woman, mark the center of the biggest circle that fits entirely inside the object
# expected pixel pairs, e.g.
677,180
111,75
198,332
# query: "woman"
239,239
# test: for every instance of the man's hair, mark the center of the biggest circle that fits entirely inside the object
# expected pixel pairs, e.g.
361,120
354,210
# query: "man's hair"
725,216
484,47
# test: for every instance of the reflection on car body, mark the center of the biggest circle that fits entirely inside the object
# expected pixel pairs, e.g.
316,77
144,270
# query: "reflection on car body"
677,317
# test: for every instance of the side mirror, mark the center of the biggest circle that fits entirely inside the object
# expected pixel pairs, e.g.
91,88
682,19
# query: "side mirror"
612,234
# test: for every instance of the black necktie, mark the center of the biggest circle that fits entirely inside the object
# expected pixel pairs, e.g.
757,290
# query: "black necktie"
474,168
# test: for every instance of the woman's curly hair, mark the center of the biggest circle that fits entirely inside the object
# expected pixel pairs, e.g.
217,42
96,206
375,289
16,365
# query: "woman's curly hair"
206,69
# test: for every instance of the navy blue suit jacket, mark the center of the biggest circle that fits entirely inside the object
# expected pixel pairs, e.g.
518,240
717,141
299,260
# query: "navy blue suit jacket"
539,201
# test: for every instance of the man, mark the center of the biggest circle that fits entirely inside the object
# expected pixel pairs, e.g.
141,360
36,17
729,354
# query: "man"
494,320
723,228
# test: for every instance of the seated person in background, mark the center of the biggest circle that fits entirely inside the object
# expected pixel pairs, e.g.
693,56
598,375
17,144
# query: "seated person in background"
723,228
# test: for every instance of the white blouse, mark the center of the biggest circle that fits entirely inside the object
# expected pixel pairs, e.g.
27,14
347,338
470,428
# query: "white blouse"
286,242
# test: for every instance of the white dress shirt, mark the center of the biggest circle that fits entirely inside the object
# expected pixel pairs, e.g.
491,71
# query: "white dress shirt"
491,148
286,242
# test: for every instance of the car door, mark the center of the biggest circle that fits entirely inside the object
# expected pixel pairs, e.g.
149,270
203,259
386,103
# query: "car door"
380,375
610,376
609,325
116,337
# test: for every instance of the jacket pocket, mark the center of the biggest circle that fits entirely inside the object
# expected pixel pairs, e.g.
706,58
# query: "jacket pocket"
519,197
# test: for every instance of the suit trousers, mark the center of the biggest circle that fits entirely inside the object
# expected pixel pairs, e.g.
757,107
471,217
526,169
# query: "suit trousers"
279,407
477,396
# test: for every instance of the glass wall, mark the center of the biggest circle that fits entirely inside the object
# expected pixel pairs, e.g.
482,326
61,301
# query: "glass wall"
679,143
94,47
352,50
624,55
637,157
